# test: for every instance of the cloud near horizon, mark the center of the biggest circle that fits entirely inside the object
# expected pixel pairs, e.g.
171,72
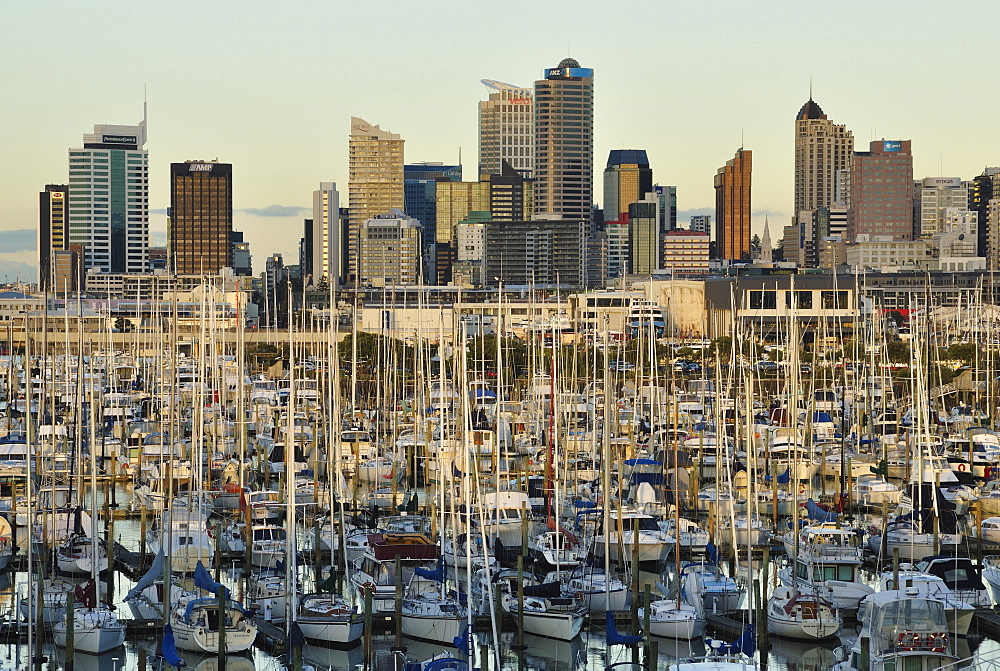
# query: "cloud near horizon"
274,211
18,240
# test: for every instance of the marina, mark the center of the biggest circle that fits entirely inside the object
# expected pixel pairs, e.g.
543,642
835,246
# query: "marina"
535,496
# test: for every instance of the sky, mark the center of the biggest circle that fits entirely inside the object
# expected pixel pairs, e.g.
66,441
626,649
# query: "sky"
271,87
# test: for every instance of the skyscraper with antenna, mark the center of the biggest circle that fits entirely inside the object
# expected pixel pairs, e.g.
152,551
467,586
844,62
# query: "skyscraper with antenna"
822,150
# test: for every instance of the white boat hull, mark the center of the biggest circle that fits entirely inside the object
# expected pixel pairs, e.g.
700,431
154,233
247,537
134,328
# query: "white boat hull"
439,629
339,633
92,638
197,639
561,626
805,630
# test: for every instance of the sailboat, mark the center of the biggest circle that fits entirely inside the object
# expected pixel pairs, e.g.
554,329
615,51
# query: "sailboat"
96,628
196,621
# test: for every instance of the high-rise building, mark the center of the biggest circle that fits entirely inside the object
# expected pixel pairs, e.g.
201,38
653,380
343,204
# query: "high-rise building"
375,181
53,230
564,142
242,259
109,198
984,188
506,129
420,192
511,195
732,207
455,200
200,228
685,252
536,252
627,179
326,244
881,191
934,198
644,235
822,150
667,195
390,251
702,223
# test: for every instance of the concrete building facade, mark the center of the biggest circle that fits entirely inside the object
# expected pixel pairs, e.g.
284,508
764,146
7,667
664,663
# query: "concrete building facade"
375,181
823,150
506,129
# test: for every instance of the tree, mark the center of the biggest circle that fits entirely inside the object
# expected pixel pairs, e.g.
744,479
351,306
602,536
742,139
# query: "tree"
124,325
898,351
755,246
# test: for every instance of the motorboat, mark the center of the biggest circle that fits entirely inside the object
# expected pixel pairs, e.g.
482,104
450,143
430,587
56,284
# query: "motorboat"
905,630
873,491
959,613
704,584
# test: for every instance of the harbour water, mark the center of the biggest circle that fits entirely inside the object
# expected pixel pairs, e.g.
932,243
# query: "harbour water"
588,651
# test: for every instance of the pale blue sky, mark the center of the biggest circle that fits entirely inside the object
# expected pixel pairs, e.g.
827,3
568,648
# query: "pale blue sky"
271,87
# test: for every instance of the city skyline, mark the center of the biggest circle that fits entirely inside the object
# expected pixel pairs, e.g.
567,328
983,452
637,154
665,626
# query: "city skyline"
284,134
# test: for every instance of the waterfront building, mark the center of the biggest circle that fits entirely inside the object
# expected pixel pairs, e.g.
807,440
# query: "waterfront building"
200,221
390,250
53,231
732,207
627,179
823,151
506,129
375,181
883,252
564,142
109,198
880,200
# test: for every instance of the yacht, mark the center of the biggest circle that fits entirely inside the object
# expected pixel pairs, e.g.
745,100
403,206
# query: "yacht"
791,614
905,631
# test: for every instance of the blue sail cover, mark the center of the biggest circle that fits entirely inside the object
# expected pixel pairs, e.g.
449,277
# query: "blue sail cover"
462,641
436,574
783,479
747,644
818,514
169,650
712,552
203,579
611,635
155,571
